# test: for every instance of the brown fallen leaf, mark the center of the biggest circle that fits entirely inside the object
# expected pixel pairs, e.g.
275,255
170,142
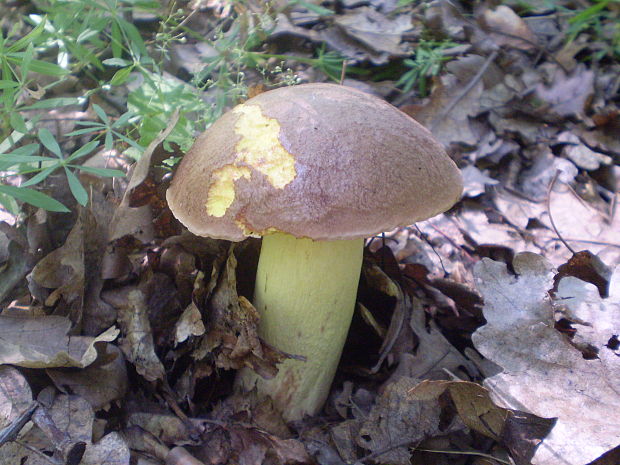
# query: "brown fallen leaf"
568,95
137,342
104,381
542,372
231,338
507,28
42,342
62,274
15,395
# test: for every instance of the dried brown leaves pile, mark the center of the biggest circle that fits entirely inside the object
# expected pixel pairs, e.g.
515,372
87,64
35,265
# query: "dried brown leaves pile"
120,333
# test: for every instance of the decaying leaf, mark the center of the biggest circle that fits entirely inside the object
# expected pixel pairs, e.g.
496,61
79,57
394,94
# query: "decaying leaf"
568,94
507,28
100,383
455,127
62,273
189,324
110,450
543,373
249,431
15,395
365,33
42,342
400,417
137,343
231,336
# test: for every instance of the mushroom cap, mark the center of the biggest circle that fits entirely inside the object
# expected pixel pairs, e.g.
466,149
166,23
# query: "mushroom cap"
321,161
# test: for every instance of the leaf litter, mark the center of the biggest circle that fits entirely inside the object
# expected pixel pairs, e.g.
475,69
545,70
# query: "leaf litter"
486,335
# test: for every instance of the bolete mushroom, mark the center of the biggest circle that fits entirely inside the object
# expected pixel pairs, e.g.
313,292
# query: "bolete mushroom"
314,169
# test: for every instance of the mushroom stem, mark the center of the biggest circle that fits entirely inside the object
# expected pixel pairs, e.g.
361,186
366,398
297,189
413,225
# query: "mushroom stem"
305,293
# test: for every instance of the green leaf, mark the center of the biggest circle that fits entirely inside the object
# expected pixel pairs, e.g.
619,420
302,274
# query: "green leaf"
108,142
82,151
105,172
27,39
116,62
24,150
52,103
101,113
40,176
48,140
89,130
38,199
317,9
121,76
38,66
27,59
117,41
76,187
7,84
17,122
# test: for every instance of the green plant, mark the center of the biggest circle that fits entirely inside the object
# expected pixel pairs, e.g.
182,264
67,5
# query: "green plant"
597,18
425,63
98,41
23,161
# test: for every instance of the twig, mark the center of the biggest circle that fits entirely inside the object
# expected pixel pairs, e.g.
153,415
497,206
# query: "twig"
461,452
464,92
389,448
343,71
425,239
555,229
38,452
10,433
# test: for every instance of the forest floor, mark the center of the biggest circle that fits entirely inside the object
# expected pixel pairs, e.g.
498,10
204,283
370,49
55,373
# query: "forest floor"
488,334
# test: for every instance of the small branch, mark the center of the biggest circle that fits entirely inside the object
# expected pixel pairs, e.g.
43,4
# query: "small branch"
10,433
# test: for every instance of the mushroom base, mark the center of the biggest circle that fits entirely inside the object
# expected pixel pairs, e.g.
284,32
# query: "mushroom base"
305,293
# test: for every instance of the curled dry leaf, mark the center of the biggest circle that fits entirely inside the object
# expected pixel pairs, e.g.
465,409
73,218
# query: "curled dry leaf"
189,324
63,271
43,342
15,395
542,372
137,343
231,336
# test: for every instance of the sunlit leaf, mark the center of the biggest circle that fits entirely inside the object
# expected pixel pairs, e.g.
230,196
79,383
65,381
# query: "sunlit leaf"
49,141
36,198
76,187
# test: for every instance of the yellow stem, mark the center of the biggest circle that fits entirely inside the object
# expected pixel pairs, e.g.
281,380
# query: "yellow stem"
305,293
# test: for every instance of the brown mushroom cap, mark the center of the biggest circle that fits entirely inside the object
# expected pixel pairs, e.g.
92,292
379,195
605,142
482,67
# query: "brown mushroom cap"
321,161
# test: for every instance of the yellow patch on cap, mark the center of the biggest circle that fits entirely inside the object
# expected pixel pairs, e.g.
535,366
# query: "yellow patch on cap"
259,148
222,190
247,231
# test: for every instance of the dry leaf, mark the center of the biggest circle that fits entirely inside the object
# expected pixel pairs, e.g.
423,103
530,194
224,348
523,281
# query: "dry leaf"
15,395
137,343
568,95
42,342
402,416
455,127
543,373
507,28
100,383
110,450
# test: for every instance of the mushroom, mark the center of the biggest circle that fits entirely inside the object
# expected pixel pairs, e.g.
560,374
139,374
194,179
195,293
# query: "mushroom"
314,169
